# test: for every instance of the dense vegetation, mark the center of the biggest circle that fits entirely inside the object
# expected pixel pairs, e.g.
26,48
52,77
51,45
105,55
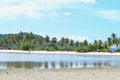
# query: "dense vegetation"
30,41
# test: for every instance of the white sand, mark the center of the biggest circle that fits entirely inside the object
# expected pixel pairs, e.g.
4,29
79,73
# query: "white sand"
65,74
62,52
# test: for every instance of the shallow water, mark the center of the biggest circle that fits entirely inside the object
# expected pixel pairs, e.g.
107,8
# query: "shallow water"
55,61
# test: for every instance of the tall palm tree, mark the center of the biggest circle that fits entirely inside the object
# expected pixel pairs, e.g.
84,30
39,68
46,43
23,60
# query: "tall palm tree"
62,42
109,42
20,35
38,42
85,43
117,41
81,44
113,38
105,45
77,44
54,40
47,39
66,41
100,42
95,42
31,35
71,45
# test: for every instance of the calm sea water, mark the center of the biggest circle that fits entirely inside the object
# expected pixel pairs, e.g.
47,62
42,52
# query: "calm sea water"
55,61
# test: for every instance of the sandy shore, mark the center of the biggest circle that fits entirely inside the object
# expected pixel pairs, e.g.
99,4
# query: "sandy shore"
66,74
62,52
63,74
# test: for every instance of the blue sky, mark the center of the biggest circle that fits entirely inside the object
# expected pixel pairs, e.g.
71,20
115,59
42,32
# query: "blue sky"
75,19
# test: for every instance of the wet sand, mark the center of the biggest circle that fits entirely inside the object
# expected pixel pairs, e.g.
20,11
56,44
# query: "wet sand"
64,74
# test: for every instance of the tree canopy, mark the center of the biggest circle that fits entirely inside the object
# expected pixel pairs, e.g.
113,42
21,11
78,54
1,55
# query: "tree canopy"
30,41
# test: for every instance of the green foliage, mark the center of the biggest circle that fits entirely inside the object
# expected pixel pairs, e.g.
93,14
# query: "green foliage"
83,49
118,50
47,48
47,38
105,50
51,48
25,46
30,41
90,48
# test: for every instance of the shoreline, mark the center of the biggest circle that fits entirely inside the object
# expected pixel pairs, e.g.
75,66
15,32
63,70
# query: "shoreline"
61,52
63,74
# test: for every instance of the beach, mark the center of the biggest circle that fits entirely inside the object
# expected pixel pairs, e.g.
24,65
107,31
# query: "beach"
61,52
63,74
107,73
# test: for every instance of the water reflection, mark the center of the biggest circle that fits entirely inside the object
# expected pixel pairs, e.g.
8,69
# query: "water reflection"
85,64
71,64
27,65
43,61
58,65
61,65
53,65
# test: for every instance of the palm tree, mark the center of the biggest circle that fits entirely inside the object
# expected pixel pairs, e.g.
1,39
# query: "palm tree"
109,42
66,41
1,43
28,36
71,45
113,38
54,40
81,44
77,44
100,44
105,45
62,42
117,41
24,39
85,43
47,39
9,38
95,42
31,35
38,42
20,35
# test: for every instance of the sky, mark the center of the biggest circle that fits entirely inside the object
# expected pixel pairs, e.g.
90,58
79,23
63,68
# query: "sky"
75,19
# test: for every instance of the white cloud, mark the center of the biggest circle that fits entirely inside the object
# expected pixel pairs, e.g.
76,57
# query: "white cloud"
34,8
12,11
109,14
88,1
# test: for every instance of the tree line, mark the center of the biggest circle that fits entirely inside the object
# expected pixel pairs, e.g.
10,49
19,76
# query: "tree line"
30,41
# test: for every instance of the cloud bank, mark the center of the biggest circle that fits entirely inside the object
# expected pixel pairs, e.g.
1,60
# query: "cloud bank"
13,9
109,14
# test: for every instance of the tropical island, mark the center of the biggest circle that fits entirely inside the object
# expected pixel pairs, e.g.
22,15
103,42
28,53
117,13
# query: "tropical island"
29,41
